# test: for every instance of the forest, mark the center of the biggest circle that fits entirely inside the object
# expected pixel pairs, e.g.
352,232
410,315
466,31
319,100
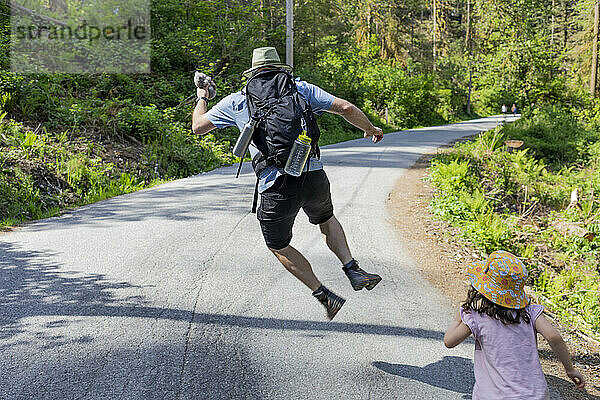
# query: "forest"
68,139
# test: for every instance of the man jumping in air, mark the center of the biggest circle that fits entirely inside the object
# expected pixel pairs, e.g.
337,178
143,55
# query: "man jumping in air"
281,98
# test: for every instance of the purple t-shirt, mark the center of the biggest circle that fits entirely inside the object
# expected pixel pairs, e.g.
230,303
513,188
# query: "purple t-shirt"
507,365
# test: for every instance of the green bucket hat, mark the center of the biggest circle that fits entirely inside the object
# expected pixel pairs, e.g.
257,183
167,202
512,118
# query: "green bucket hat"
265,57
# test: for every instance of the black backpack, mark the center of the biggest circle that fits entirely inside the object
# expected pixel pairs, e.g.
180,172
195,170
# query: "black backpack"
274,102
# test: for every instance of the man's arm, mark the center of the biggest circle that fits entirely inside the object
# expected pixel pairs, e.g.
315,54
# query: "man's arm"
356,117
200,124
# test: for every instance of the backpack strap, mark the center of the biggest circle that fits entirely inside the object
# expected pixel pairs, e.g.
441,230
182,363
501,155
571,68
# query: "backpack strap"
259,163
239,168
309,119
255,200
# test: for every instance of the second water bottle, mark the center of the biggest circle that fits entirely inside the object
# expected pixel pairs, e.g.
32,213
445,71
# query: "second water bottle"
298,156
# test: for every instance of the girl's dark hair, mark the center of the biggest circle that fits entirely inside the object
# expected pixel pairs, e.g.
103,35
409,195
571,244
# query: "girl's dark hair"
478,302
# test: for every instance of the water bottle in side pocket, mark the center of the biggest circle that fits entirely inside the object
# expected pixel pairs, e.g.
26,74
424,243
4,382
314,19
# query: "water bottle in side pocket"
243,141
298,156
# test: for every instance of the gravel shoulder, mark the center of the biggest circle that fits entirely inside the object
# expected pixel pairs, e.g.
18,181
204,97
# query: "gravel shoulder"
440,255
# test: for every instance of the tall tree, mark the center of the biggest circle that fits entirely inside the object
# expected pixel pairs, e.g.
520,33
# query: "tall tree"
434,16
470,53
594,71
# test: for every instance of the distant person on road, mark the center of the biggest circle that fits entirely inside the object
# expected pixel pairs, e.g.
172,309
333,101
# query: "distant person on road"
498,314
282,195
504,109
514,109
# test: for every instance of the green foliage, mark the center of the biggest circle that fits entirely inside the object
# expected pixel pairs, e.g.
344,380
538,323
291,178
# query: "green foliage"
512,201
488,232
554,135
573,294
451,177
4,35
335,130
180,154
476,203
376,85
515,62
19,198
461,200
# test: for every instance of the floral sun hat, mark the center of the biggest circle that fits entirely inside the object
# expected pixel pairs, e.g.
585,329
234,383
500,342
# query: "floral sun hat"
501,279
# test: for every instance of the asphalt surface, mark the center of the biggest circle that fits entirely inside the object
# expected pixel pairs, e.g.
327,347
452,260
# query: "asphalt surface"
170,293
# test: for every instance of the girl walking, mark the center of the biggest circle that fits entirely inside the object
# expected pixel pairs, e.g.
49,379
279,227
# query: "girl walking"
498,314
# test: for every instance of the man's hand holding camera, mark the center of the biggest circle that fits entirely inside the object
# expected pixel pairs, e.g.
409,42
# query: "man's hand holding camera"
206,90
205,86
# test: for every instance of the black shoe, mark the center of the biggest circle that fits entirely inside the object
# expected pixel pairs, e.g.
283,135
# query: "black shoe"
330,300
360,279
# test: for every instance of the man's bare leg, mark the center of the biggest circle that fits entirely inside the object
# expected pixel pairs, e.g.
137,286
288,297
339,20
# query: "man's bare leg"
336,239
337,243
299,266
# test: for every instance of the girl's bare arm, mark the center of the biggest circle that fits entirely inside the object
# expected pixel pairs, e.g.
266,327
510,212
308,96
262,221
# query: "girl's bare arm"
549,332
456,333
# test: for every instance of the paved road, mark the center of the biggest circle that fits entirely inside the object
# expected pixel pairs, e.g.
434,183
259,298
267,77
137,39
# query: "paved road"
170,293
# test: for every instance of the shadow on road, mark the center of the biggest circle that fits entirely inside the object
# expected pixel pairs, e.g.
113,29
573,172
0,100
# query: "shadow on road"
567,390
33,286
456,374
450,373
175,201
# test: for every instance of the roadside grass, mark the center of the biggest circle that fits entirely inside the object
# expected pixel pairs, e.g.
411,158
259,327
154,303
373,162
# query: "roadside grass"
42,173
521,202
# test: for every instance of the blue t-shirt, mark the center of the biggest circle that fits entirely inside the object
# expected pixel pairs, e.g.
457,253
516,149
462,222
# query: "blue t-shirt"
232,111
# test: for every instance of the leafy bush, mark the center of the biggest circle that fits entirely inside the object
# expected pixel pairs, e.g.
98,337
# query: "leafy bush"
375,85
334,129
555,136
573,294
511,201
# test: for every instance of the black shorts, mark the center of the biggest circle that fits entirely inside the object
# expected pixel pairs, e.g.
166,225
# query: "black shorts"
280,204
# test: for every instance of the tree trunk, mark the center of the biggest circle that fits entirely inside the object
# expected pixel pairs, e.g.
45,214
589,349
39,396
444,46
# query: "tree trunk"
468,46
566,23
470,88
434,14
262,16
289,32
594,73
468,30
421,52
552,26
412,37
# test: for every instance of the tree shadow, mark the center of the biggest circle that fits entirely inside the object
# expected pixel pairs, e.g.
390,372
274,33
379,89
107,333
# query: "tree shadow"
451,373
567,389
155,373
32,285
